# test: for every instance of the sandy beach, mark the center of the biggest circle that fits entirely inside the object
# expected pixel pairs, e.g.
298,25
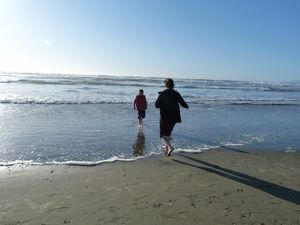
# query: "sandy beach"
214,187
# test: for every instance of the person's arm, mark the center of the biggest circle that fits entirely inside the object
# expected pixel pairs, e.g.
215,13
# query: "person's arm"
134,103
146,103
182,102
157,102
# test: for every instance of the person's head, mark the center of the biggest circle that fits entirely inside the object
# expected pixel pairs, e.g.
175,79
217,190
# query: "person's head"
169,83
141,91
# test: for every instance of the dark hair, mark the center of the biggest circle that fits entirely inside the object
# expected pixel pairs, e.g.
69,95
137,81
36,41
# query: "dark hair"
169,83
141,90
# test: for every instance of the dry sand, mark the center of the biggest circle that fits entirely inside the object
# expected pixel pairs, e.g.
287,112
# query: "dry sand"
215,187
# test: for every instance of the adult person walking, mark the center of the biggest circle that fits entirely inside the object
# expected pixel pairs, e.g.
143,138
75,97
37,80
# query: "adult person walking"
168,102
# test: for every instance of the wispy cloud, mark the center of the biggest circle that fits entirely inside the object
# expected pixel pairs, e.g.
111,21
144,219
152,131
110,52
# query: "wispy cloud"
47,42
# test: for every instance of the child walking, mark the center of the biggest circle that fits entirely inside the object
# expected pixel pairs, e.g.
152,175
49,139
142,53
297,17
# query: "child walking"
140,104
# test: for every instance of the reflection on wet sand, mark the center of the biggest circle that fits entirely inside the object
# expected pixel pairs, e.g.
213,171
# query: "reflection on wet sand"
139,145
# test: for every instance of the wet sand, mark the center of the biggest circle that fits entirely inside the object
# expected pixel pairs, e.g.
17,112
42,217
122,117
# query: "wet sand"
215,187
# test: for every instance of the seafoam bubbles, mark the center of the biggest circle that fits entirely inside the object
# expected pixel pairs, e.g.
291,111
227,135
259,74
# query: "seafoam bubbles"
290,149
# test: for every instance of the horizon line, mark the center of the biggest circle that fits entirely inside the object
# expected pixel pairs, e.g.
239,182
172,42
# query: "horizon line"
142,76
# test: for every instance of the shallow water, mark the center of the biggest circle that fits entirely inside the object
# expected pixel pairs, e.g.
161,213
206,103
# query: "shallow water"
79,119
92,133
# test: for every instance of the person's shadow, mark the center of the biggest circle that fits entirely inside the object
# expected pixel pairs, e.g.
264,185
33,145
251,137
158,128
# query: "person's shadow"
276,190
139,145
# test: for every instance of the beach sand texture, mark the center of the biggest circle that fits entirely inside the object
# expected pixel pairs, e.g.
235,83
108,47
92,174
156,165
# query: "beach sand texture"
214,187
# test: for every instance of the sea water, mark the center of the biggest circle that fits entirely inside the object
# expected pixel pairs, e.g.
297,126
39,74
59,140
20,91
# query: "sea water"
87,120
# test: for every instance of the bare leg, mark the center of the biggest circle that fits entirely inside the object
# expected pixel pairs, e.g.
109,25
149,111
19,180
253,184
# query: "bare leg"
169,147
140,122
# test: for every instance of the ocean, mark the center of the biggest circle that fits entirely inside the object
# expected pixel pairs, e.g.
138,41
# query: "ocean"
88,120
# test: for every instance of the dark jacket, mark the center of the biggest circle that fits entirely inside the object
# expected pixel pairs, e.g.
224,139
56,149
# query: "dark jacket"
168,102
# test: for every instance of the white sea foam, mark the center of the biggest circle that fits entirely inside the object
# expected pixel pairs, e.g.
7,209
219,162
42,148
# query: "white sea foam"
230,144
82,89
18,162
290,149
188,150
74,163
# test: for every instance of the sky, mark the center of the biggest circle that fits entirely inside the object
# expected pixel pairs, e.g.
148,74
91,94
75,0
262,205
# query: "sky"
255,40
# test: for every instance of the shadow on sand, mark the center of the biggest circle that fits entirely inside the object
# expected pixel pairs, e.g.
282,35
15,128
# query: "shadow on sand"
268,187
224,147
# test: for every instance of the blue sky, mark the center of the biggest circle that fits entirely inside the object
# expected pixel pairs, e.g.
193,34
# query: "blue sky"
212,39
